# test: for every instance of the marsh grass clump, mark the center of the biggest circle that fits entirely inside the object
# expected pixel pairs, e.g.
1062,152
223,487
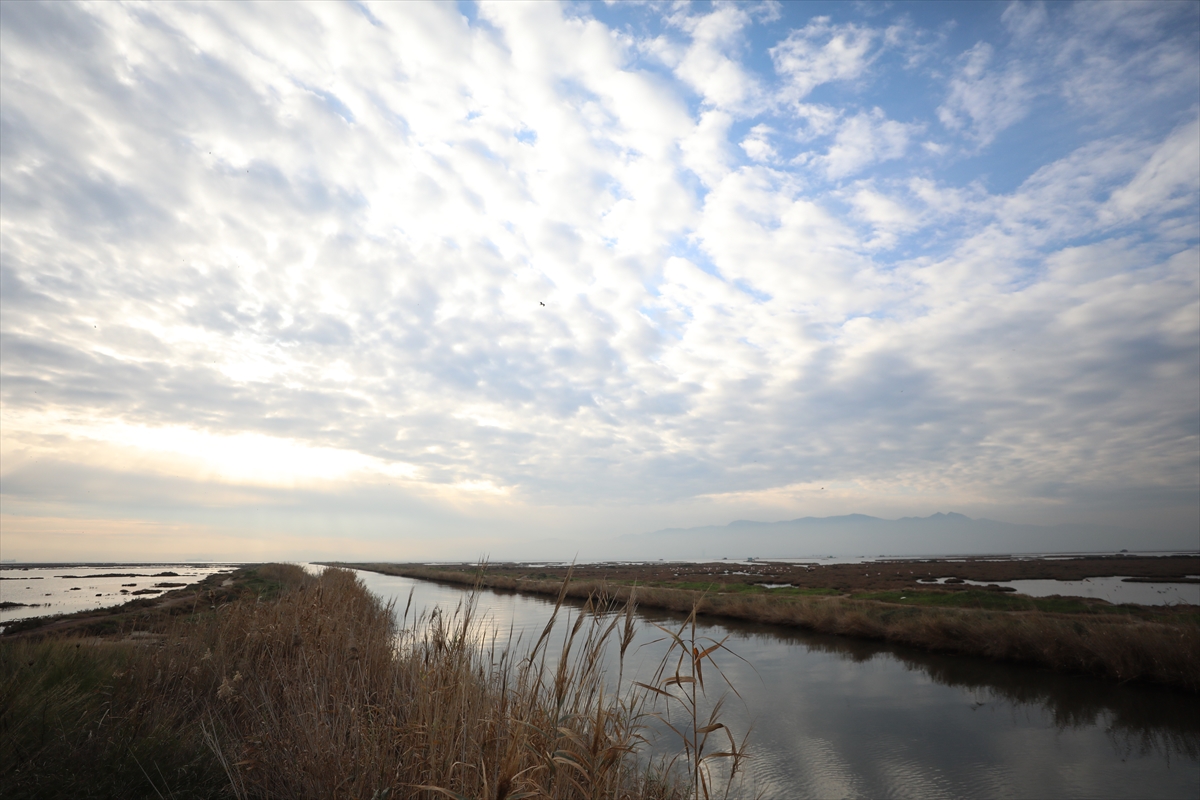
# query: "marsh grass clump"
307,687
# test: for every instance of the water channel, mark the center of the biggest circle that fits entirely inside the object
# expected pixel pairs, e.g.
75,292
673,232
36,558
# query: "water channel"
838,717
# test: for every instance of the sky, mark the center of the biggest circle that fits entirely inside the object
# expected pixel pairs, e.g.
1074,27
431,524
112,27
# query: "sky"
416,281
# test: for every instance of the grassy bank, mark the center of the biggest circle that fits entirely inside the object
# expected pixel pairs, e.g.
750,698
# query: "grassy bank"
304,687
1160,646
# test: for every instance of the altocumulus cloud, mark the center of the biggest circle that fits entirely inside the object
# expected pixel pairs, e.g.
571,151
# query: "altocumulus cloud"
410,280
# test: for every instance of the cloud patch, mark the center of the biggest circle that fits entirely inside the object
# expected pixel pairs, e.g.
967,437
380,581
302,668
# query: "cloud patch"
822,52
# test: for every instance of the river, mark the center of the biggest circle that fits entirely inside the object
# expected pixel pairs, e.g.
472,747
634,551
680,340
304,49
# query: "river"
838,717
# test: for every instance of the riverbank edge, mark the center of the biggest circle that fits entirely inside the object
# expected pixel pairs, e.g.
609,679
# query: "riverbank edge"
1115,647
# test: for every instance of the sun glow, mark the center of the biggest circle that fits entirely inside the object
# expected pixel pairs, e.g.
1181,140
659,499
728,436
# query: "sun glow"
242,458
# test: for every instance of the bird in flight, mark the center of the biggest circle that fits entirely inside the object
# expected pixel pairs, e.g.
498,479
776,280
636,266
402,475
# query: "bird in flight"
541,303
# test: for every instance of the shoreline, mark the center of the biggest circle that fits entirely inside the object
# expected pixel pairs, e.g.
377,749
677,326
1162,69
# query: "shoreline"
1156,645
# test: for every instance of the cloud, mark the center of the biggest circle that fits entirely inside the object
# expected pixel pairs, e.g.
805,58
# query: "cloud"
1166,182
532,273
707,151
1113,65
758,144
1025,20
709,64
983,101
888,216
820,53
868,137
1120,60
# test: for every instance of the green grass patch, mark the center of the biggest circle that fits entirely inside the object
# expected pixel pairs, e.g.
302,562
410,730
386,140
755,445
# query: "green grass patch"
745,588
711,587
61,739
968,598
800,591
1071,605
254,581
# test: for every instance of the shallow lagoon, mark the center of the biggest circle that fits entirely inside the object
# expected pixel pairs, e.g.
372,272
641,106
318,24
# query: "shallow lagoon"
46,590
1113,589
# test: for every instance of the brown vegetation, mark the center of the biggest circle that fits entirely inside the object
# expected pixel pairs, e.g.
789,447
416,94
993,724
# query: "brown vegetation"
1144,644
318,693
874,576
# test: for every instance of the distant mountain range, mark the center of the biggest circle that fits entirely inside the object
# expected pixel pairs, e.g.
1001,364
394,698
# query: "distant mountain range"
862,535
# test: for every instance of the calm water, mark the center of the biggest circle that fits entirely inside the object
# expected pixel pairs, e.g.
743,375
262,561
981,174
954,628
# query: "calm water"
1112,589
62,590
835,717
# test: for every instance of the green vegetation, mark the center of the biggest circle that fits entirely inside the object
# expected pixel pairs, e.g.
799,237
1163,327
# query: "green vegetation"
74,725
739,588
288,685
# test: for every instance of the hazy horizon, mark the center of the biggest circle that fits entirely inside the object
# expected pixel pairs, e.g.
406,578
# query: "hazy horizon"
938,535
404,281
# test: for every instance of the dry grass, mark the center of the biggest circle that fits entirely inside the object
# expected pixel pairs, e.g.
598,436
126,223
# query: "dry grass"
318,693
1117,646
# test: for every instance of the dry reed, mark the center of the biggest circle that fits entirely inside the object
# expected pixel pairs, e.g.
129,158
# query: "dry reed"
318,693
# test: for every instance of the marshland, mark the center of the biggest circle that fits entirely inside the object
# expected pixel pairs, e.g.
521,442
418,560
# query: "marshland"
848,716
898,601
280,683
286,683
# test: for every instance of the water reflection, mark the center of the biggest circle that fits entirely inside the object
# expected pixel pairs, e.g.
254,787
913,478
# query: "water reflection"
1141,719
837,717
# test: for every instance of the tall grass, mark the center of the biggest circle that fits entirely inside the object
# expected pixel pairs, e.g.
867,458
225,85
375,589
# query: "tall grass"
1122,647
318,693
